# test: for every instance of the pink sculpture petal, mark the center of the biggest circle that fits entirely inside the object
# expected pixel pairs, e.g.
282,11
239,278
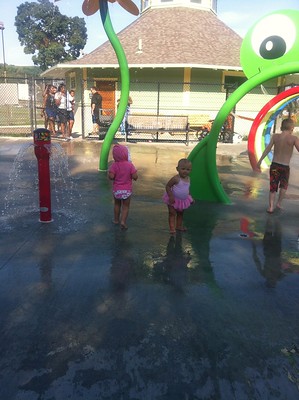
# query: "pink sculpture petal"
129,6
90,7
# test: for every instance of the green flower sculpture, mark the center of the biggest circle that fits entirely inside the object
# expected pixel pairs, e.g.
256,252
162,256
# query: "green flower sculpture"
90,7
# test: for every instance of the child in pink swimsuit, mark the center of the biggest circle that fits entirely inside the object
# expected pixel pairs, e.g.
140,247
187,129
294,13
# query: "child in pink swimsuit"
177,196
121,172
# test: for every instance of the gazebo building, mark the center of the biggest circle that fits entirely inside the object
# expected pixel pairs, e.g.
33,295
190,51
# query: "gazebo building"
183,60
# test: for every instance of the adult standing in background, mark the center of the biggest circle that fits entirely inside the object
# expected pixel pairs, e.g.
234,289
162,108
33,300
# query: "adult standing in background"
123,123
70,106
96,109
60,100
50,108
43,114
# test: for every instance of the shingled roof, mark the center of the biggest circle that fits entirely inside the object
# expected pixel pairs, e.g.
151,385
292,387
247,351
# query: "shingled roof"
171,37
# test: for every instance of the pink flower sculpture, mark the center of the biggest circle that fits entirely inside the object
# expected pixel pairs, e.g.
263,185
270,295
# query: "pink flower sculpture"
90,7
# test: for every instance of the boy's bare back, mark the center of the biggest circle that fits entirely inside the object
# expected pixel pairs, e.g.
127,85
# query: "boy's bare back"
283,147
283,143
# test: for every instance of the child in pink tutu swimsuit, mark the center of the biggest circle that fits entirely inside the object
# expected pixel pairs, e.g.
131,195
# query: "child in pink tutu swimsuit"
122,172
177,196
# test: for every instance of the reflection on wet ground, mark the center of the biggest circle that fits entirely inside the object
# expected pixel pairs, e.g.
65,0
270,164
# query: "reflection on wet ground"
89,311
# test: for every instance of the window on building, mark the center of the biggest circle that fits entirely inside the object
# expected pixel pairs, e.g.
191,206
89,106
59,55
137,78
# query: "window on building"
206,3
144,4
232,80
73,82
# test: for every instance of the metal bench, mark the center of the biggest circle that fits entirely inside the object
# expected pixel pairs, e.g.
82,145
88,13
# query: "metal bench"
157,125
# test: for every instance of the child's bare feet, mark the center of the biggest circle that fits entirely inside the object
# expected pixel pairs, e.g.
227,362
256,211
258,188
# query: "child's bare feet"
115,222
172,232
123,227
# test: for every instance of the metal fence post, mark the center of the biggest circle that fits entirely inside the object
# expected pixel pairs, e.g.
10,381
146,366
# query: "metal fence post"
82,109
32,104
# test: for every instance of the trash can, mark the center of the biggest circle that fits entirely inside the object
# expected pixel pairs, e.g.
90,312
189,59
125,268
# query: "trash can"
104,124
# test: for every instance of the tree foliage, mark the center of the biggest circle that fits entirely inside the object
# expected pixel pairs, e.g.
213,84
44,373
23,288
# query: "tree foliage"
51,37
20,71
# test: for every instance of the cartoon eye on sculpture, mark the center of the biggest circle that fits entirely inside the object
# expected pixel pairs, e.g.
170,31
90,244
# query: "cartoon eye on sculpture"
90,7
270,49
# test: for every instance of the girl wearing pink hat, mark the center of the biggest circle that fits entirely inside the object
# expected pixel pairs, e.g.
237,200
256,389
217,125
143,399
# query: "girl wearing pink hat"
122,172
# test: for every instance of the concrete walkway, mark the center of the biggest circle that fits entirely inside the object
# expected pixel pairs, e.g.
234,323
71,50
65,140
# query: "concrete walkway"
91,312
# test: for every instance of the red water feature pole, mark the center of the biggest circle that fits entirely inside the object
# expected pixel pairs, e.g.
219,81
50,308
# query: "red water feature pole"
42,145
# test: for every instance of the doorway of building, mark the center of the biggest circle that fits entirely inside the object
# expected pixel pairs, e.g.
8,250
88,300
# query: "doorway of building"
107,91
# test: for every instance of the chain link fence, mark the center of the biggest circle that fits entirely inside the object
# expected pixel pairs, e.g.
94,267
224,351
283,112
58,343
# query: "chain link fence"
21,102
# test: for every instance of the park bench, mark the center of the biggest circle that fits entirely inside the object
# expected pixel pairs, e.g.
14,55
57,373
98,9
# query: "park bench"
160,127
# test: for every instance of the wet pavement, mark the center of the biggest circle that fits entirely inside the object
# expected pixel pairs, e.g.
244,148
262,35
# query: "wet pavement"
92,312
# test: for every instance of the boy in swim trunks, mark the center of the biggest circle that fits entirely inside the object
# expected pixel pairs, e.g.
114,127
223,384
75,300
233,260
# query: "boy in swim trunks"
284,144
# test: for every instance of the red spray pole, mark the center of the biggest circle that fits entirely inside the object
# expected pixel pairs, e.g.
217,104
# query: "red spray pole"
42,142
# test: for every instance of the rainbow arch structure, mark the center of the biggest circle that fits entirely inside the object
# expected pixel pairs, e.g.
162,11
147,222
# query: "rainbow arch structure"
259,135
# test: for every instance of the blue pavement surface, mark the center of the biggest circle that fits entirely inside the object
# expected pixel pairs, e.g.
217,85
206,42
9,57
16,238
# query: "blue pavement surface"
92,312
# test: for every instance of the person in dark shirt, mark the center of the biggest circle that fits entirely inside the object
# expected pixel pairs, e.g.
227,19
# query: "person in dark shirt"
96,108
50,108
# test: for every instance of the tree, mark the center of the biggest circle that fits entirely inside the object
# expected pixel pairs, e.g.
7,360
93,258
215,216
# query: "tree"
51,37
16,71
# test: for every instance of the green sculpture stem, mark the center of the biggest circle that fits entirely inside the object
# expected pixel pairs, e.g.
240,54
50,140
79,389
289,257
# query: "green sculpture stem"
125,85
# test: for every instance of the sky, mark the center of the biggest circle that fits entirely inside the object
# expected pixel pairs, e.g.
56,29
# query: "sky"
238,15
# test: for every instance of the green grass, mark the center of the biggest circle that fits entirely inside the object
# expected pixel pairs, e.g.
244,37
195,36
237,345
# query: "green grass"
11,115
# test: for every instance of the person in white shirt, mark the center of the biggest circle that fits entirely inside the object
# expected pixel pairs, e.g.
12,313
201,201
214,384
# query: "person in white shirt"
70,106
60,100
